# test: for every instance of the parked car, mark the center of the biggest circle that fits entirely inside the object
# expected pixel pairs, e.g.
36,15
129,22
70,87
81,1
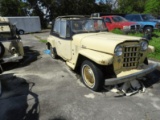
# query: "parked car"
118,22
11,47
148,22
103,58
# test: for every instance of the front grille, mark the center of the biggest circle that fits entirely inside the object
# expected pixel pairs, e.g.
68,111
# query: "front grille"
131,56
138,27
135,27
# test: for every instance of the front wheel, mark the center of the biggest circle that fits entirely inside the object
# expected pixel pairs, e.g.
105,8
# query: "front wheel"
92,75
148,30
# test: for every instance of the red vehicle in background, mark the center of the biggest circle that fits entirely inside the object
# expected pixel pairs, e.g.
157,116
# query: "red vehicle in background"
117,22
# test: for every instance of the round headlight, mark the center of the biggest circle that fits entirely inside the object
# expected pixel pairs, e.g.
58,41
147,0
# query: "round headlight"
144,45
118,51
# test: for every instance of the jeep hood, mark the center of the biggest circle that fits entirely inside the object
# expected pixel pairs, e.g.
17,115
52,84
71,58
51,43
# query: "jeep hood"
102,41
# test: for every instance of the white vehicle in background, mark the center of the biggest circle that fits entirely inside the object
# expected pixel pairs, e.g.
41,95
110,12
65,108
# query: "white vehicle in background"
26,24
11,47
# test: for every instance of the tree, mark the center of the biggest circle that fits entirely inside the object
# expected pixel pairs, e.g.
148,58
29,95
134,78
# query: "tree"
153,7
131,6
12,8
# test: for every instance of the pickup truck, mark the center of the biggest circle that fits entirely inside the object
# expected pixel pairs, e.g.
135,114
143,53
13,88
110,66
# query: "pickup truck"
118,22
147,21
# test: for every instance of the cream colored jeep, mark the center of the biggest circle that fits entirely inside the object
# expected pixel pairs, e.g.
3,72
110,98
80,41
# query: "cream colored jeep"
102,57
11,47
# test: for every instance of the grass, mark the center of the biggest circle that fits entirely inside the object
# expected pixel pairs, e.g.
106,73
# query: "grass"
155,41
41,40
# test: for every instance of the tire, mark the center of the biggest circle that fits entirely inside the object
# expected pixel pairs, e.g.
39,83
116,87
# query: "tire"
148,30
2,50
92,75
21,32
1,69
53,53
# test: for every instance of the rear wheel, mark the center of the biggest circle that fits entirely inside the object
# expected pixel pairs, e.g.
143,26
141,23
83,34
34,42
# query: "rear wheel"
92,75
21,32
53,53
2,50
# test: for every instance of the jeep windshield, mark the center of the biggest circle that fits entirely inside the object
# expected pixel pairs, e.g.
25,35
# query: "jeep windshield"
87,25
5,32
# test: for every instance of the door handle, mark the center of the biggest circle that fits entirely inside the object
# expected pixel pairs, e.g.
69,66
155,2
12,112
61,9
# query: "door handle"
59,42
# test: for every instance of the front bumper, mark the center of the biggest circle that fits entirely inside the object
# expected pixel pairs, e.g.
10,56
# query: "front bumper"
130,77
12,59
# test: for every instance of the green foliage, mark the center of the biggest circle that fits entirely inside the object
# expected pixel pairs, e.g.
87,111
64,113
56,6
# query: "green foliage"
153,7
117,31
43,41
131,6
12,8
155,42
73,7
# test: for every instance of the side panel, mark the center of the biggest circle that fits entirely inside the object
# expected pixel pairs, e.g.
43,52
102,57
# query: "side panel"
63,47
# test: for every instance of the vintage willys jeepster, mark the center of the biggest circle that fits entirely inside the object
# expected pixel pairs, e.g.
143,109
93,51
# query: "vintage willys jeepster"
102,57
11,47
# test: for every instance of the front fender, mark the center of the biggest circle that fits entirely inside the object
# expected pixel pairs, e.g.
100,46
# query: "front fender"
151,49
97,57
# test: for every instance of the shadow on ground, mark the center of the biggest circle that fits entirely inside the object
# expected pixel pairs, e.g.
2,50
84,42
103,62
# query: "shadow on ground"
152,79
16,93
31,55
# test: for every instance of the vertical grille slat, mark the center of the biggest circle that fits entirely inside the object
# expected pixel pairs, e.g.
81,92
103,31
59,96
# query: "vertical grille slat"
131,56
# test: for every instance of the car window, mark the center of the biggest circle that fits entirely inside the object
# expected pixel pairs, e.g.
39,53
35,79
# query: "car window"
128,17
56,28
147,17
63,29
107,20
5,32
68,31
136,18
118,19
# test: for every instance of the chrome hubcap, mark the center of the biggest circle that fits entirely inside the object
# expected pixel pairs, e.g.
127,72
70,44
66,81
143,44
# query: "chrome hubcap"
89,77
